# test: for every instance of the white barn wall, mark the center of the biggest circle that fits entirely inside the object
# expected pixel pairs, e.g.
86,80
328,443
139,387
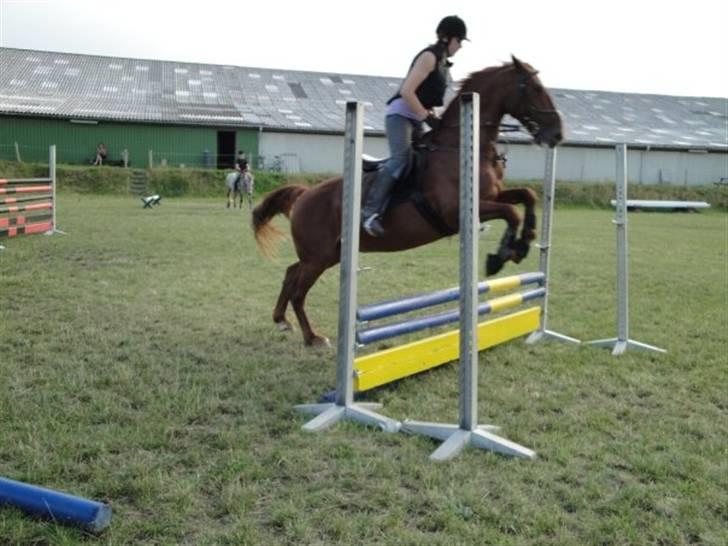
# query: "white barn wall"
582,164
313,153
324,154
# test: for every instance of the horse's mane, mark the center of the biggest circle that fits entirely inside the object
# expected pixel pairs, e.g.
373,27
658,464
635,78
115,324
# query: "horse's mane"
476,82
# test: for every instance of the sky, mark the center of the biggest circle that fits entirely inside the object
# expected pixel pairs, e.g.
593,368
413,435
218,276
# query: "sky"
636,46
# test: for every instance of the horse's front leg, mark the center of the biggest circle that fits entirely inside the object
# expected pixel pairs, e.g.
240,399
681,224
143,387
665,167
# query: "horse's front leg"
507,250
527,197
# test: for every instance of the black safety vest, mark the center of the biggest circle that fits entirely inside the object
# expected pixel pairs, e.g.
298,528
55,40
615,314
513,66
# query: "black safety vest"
431,91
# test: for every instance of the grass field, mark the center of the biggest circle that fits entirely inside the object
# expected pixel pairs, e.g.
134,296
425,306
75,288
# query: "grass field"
139,365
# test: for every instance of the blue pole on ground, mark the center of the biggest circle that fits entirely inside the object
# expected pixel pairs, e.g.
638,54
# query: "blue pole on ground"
61,507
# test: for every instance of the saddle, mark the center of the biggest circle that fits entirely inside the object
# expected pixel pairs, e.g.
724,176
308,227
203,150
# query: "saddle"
408,188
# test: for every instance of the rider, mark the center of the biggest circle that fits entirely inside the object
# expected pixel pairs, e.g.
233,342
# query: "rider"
423,88
241,162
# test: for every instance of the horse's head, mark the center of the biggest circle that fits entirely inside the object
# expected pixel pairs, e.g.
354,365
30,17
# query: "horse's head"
515,89
530,103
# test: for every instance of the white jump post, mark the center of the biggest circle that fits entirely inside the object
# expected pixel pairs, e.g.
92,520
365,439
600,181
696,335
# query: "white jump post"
622,342
468,432
549,186
344,407
54,183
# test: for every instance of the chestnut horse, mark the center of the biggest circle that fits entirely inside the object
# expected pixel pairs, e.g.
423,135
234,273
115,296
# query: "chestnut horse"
315,212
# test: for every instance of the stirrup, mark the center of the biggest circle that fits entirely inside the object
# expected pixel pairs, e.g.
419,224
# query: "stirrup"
373,225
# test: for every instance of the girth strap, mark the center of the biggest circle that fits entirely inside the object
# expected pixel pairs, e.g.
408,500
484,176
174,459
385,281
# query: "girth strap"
429,214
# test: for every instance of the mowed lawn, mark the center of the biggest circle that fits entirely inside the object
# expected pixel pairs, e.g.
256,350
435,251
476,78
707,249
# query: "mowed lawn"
140,366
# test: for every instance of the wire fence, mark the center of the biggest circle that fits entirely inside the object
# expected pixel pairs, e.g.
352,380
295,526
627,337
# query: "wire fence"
152,158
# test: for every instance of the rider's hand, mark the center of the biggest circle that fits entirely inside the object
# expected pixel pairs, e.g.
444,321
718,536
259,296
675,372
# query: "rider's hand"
433,121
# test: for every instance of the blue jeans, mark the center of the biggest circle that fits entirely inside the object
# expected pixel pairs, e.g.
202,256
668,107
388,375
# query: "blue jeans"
399,135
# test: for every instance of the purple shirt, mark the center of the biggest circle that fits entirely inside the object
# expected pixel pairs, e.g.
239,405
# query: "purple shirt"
400,107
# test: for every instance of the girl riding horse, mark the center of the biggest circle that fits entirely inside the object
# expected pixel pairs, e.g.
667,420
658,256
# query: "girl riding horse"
315,212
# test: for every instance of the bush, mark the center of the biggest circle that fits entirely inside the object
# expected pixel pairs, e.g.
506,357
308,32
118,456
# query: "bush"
177,182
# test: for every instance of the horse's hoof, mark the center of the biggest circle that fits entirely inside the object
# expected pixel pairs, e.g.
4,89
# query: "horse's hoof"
284,326
521,249
493,264
320,342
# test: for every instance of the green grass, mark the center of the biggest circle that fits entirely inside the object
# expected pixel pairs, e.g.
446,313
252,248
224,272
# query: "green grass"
140,366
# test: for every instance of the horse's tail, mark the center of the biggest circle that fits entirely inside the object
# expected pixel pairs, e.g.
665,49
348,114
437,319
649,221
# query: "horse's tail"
277,202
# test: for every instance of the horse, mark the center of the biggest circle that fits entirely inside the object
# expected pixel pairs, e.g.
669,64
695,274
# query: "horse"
238,183
315,212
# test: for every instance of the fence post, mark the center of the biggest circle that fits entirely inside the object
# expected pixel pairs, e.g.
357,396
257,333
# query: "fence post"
622,342
468,432
344,406
549,190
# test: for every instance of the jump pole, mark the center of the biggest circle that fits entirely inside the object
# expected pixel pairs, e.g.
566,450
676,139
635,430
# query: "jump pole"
621,343
62,507
344,406
549,184
468,432
37,224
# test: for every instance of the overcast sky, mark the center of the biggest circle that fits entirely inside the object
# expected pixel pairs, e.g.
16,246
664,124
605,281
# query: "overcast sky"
637,46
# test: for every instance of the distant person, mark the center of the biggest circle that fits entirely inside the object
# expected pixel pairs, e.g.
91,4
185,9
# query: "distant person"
241,163
245,182
101,153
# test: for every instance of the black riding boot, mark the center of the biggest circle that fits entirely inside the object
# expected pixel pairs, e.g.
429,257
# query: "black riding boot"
374,203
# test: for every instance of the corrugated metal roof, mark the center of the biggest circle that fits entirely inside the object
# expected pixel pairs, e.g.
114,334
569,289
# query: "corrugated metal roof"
74,86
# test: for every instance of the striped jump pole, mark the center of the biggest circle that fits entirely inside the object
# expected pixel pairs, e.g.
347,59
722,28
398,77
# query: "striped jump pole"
49,504
404,360
386,331
621,343
549,186
386,309
344,406
467,432
29,196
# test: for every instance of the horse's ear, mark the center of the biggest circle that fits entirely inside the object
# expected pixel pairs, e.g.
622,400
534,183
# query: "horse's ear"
517,63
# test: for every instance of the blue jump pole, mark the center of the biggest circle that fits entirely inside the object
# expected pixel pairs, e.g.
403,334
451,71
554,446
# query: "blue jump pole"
395,329
62,507
385,309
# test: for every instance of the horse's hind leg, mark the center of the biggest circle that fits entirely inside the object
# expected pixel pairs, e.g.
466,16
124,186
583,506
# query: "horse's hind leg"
228,200
279,312
308,274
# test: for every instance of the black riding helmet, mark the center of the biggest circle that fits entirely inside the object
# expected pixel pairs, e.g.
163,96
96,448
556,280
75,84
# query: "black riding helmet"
452,27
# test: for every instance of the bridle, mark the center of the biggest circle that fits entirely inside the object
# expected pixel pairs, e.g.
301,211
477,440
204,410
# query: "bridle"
527,120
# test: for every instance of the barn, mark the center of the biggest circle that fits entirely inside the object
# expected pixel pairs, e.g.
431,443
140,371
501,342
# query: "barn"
151,112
